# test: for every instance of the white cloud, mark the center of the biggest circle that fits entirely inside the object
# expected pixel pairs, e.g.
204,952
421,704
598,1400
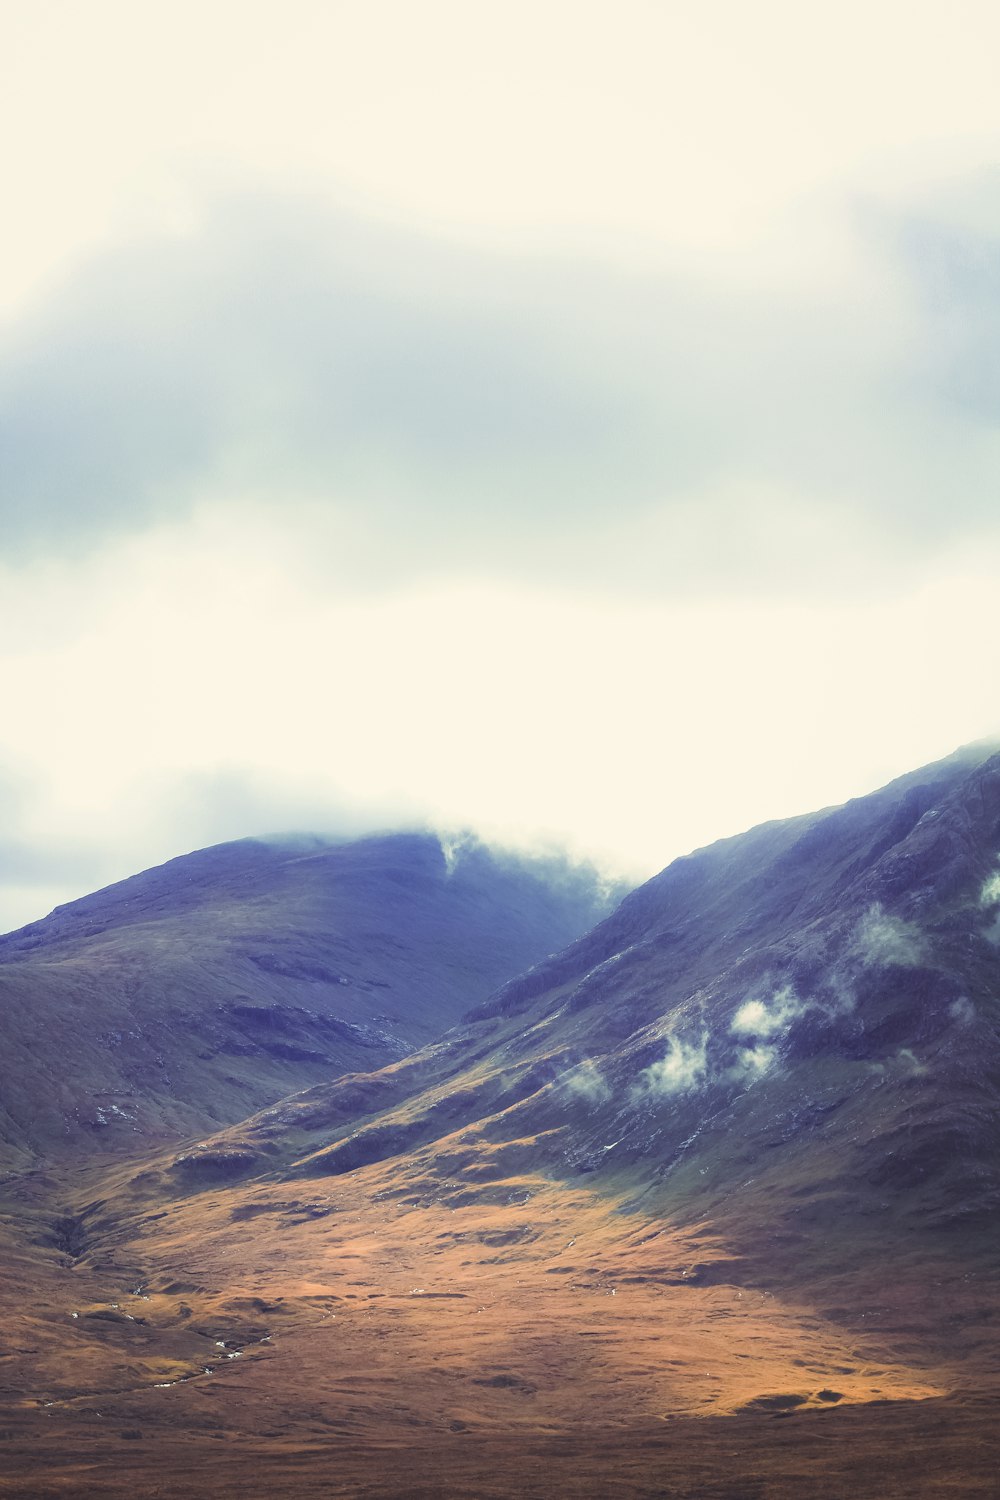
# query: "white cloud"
989,897
753,1062
684,1066
882,938
634,130
587,1082
764,1018
435,407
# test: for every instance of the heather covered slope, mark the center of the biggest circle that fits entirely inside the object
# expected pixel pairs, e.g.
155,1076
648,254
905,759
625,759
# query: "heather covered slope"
191,994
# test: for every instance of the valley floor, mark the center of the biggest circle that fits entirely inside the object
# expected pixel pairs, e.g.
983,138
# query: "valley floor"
892,1453
383,1335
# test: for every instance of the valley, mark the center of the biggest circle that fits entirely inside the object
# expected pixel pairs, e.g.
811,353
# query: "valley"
703,1203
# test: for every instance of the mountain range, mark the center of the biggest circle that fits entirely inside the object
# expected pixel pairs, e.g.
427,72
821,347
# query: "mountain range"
189,995
396,1168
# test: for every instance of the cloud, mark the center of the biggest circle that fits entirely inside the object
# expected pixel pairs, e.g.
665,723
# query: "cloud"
213,683
689,1064
909,1064
683,1067
881,939
53,852
766,1022
35,877
586,1082
954,256
764,1018
419,408
39,865
212,806
752,1063
285,352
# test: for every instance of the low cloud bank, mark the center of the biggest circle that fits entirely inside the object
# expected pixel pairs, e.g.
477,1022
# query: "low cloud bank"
446,405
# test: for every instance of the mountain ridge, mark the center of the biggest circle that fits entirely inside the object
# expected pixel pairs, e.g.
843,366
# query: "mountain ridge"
229,977
589,1048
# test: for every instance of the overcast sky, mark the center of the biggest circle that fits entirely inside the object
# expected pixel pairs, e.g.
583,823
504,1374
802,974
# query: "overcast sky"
574,421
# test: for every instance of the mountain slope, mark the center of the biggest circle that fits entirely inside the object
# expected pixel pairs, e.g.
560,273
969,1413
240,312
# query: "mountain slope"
193,993
824,988
703,1205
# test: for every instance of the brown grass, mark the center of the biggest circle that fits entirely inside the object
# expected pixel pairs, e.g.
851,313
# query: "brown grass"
401,1337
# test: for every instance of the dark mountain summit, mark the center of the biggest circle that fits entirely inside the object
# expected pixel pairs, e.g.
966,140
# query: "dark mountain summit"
197,991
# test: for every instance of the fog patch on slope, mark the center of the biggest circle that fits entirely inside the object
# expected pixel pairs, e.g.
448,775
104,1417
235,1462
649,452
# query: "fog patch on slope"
586,1082
683,1067
881,939
989,898
752,1063
764,1023
762,1018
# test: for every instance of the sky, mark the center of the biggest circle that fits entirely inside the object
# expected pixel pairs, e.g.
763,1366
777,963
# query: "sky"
571,421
